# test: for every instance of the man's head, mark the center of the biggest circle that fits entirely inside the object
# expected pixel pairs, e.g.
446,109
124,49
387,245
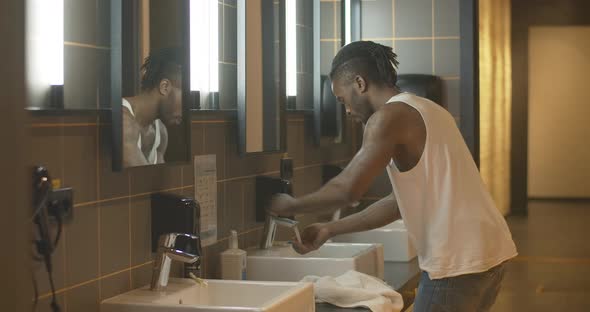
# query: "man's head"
162,78
359,69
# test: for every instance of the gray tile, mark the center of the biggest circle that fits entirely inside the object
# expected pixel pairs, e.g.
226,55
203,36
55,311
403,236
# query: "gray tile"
228,86
80,172
141,276
154,178
327,20
376,19
413,18
415,56
80,21
327,52
452,97
82,245
230,35
114,236
83,298
80,77
214,143
111,183
447,57
115,285
141,231
446,18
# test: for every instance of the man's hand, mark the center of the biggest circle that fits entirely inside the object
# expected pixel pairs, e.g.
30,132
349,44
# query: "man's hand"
312,238
282,205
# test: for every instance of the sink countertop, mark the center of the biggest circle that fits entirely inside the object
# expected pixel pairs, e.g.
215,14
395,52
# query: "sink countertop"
402,276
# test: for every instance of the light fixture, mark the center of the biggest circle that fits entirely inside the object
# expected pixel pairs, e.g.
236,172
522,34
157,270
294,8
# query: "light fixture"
45,51
204,51
291,49
347,22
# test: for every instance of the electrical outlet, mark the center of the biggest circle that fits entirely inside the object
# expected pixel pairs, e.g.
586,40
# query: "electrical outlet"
61,204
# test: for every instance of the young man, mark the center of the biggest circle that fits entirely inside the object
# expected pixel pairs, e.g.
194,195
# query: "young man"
159,104
461,238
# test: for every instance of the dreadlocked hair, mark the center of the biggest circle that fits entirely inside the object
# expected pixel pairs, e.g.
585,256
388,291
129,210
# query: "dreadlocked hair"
374,61
161,64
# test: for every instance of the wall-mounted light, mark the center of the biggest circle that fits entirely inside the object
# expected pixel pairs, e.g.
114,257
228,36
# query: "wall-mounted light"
352,20
347,22
291,48
45,51
204,51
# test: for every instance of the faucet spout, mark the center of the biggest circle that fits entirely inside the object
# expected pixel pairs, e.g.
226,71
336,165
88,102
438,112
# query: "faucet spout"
270,228
185,248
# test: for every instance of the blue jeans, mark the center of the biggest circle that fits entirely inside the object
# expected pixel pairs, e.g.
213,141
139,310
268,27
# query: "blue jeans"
464,293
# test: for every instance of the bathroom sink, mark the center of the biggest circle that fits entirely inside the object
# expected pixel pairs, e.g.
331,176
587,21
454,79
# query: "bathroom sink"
282,263
219,295
394,238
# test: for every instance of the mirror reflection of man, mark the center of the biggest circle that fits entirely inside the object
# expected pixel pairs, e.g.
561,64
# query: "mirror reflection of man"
159,104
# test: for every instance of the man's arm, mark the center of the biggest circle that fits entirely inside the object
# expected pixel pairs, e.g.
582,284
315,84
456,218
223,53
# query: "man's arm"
163,142
376,215
381,138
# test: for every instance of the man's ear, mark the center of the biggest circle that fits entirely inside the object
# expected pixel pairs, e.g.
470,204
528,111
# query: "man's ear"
165,86
360,83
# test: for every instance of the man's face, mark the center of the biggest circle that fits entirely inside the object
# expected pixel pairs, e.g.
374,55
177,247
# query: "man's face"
171,104
354,100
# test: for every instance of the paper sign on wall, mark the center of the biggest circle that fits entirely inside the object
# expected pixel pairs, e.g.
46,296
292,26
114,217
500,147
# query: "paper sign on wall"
205,167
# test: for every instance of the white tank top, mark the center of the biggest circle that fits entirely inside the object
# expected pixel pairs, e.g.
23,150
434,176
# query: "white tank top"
449,214
152,157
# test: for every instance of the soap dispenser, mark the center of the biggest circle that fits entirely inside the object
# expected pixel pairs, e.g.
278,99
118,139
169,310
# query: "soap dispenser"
233,260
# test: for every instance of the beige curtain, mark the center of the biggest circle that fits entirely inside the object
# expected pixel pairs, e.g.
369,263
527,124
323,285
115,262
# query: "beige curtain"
495,80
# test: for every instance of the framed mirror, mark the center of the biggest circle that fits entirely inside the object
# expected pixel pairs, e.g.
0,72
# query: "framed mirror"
261,76
335,23
150,119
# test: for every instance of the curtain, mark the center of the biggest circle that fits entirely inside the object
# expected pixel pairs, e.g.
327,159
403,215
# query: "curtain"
495,80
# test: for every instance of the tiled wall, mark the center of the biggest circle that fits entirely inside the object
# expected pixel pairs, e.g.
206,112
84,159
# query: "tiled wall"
106,249
425,36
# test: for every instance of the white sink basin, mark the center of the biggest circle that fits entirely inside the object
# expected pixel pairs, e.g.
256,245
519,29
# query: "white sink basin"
282,263
394,238
219,295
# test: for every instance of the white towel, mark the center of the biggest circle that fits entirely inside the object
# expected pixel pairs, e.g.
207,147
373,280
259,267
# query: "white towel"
355,289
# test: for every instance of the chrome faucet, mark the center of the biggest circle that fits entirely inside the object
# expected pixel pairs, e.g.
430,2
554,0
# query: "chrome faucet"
185,248
270,229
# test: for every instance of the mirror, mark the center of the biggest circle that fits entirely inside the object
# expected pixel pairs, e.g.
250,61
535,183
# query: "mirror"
334,24
151,121
261,76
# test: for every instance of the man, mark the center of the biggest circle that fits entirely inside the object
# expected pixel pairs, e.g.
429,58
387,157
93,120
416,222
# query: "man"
461,239
159,104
